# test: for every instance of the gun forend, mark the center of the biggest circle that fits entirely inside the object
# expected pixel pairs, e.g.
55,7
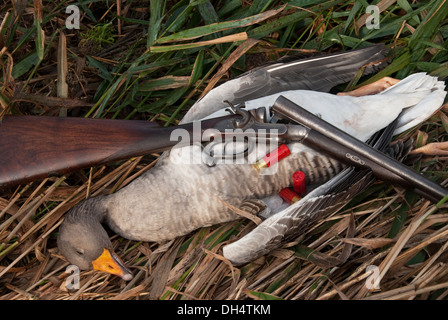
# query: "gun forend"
338,143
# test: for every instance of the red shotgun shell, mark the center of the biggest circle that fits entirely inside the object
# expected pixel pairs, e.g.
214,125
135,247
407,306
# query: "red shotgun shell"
298,182
289,196
273,157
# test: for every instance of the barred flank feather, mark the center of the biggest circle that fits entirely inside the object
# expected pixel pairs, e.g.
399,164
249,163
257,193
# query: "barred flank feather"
324,200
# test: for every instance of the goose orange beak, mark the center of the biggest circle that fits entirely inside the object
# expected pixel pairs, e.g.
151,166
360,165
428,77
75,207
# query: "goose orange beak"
109,262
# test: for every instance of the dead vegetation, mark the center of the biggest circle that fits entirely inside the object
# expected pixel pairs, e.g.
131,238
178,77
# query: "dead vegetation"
157,59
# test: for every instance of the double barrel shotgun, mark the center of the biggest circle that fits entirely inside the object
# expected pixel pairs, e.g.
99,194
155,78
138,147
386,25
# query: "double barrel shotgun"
35,147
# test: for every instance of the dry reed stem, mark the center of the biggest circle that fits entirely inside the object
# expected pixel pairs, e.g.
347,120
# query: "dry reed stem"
412,261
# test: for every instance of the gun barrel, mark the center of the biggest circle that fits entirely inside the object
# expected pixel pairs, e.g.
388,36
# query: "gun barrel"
361,154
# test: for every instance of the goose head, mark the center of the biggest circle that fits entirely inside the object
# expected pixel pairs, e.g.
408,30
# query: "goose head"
84,242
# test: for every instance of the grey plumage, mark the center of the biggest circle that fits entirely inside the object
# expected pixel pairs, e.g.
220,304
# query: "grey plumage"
81,236
174,198
320,73
327,198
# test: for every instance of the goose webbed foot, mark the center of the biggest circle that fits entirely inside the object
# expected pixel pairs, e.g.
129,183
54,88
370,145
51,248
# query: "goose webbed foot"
433,149
372,88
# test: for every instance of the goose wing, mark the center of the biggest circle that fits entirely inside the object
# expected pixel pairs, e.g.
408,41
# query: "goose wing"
319,73
322,201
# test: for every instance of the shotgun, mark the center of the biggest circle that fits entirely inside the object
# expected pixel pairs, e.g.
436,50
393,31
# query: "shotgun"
36,147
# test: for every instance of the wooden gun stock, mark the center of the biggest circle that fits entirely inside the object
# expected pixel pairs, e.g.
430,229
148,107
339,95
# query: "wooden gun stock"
35,147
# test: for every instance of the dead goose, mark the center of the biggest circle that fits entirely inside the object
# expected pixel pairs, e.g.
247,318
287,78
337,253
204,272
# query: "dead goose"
186,196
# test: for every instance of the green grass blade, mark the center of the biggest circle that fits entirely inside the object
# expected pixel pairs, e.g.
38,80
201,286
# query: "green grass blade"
25,65
216,27
275,25
156,9
264,295
198,68
208,13
40,34
428,29
104,73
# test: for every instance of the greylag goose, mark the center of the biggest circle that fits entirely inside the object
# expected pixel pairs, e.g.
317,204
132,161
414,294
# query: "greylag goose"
176,197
